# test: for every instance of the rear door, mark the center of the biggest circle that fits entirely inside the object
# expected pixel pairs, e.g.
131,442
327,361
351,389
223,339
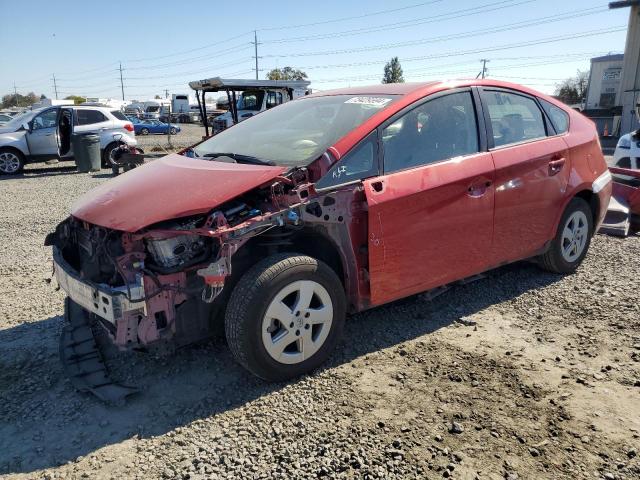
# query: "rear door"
94,121
532,172
42,137
431,212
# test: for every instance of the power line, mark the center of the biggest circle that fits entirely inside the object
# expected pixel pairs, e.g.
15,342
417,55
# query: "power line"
386,46
344,19
409,23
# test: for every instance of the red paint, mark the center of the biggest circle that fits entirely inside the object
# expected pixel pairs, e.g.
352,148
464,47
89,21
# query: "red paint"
171,187
426,228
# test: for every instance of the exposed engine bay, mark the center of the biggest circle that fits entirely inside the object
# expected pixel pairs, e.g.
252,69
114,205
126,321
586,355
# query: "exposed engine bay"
166,281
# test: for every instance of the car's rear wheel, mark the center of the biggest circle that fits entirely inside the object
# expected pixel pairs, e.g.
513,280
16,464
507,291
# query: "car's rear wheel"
11,161
108,155
144,131
285,316
173,131
572,240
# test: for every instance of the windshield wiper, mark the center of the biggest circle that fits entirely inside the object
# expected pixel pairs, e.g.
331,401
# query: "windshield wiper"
240,158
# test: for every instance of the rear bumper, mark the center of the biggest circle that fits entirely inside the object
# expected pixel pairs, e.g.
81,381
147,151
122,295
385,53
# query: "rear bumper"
602,186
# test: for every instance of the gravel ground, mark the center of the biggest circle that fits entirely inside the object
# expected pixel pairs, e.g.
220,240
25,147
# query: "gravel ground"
522,374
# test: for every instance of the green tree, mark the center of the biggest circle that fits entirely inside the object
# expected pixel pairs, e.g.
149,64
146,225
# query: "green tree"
43,97
573,90
157,97
286,73
17,100
77,99
393,72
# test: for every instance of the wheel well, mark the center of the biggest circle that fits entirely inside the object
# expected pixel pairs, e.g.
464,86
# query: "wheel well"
307,241
593,201
14,150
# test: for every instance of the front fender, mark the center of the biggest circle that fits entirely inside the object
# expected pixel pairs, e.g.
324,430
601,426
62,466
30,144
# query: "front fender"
17,140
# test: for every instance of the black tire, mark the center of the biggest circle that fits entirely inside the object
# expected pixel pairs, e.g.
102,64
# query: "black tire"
144,131
106,155
250,299
553,260
11,155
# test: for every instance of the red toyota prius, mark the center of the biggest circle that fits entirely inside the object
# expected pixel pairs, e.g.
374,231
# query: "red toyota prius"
331,204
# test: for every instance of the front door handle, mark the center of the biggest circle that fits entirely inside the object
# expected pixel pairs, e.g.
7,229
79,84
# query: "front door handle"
478,189
556,164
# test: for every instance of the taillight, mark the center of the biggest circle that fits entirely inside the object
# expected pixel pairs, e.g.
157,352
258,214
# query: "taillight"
128,127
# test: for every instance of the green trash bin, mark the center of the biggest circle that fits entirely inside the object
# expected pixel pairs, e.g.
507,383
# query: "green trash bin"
86,150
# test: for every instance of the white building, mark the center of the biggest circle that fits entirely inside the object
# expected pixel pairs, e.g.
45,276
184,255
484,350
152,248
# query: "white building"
604,82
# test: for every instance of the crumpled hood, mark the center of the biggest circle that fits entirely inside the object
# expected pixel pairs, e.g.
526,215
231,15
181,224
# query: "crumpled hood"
170,187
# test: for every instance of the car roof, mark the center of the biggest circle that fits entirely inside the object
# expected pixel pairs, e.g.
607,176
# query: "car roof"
423,88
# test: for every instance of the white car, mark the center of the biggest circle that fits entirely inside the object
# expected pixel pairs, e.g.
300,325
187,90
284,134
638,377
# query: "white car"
627,153
45,134
4,119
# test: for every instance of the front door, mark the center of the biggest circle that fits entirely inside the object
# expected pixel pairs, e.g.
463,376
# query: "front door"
532,173
431,213
42,137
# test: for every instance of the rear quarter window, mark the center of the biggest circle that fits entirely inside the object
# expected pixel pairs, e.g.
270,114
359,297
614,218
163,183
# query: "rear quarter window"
119,115
559,118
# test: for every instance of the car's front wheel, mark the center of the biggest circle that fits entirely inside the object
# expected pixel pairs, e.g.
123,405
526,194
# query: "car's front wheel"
144,131
11,161
573,237
285,316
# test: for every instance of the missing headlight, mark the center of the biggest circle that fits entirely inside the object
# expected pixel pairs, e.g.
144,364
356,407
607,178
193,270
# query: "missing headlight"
176,253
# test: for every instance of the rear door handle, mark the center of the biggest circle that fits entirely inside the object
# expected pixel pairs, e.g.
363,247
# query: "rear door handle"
556,164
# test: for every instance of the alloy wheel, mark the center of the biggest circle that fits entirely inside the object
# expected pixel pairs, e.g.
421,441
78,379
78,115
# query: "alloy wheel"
297,322
9,162
574,236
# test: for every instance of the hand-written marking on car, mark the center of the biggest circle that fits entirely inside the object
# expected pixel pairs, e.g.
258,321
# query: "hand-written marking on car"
337,173
373,101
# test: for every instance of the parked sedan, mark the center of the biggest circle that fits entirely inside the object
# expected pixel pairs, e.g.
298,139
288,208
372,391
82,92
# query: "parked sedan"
331,204
4,119
146,127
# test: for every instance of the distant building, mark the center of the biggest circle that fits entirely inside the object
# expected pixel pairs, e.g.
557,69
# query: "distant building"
605,80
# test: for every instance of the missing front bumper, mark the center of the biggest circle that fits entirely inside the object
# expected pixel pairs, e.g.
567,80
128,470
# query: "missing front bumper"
82,360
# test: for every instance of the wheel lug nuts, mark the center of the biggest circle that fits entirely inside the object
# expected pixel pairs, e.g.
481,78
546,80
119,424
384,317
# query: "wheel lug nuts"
291,325
297,333
297,314
306,327
307,315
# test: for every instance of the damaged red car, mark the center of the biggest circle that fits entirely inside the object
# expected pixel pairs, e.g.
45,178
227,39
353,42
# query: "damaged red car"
277,228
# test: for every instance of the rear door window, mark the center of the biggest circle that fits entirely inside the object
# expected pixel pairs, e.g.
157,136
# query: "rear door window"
514,118
89,117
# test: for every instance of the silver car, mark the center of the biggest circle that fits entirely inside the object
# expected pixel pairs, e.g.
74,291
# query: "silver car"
45,134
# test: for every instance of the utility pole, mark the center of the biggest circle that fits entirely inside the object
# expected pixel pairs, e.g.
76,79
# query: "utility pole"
166,93
121,84
255,44
483,72
55,85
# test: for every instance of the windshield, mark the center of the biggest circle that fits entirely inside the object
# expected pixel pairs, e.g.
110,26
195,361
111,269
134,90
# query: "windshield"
18,120
297,132
153,109
251,101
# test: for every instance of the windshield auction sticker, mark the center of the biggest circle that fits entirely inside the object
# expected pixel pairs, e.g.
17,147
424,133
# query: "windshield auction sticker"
373,101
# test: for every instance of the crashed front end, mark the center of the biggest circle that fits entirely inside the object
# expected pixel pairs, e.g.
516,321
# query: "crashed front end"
159,283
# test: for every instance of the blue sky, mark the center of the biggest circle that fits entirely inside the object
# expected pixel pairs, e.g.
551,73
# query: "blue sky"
163,45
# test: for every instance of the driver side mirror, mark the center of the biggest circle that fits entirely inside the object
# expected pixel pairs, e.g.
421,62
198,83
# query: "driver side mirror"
27,126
